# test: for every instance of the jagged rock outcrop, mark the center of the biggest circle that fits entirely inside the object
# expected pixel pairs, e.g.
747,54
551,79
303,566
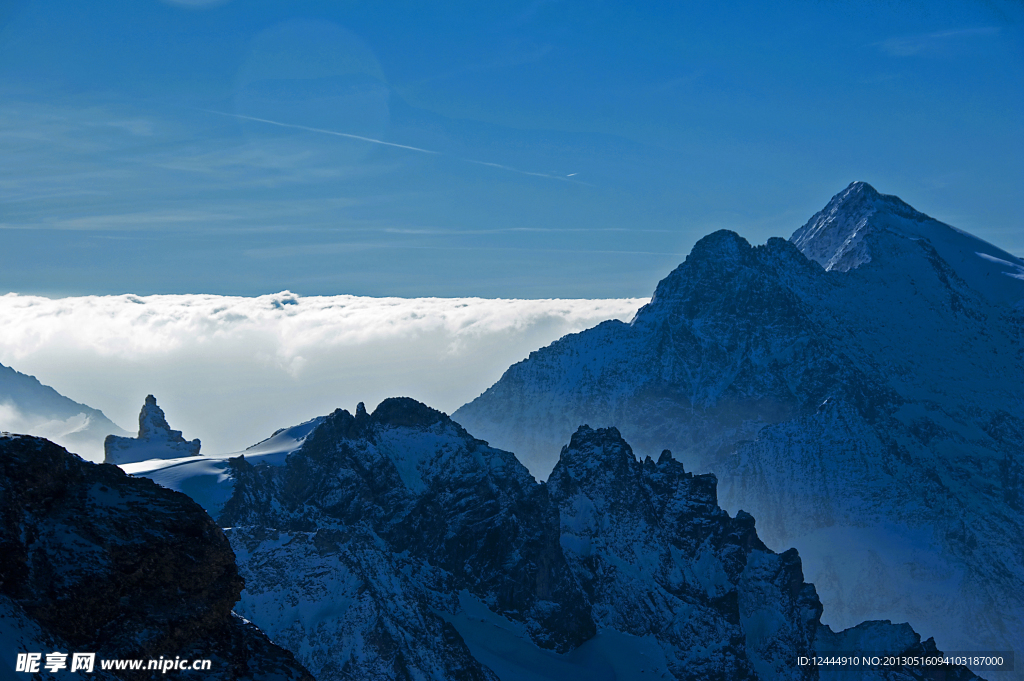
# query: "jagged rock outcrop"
655,553
156,440
395,545
869,414
92,560
408,487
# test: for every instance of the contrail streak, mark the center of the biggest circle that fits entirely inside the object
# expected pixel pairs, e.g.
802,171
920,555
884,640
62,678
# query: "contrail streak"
388,144
515,170
321,130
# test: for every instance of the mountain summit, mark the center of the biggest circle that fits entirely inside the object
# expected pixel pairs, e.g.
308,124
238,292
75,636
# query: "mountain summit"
858,388
845,233
834,237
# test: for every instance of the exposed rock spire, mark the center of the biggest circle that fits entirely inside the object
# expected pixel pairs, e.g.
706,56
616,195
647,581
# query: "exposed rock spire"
156,440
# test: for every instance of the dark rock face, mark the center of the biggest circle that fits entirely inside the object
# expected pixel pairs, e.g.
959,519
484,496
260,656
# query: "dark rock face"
119,566
655,552
394,517
411,478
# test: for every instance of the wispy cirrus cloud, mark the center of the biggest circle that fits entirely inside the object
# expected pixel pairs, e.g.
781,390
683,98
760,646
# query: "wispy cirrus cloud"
231,370
352,247
930,43
109,168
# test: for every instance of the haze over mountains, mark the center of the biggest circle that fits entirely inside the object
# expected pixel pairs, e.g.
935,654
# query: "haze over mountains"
870,414
28,406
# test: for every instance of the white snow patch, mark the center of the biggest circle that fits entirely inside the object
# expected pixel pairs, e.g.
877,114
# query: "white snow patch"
206,478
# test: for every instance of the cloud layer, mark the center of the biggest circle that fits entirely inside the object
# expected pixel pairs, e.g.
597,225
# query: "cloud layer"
231,370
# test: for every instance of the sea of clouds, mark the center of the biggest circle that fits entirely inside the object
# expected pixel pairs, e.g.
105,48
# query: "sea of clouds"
231,370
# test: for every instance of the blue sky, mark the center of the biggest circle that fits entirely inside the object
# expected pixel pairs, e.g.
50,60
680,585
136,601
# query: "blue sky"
530,149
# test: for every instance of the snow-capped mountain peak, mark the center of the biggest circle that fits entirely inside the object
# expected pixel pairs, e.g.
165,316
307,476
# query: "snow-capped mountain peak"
396,545
714,259
834,236
859,223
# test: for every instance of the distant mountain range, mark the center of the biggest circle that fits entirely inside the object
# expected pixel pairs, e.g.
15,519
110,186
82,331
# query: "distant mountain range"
28,406
859,389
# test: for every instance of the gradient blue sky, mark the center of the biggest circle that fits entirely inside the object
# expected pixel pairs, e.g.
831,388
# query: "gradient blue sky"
533,149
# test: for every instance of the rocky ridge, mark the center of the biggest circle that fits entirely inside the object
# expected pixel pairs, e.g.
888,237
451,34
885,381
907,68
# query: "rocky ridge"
92,560
397,545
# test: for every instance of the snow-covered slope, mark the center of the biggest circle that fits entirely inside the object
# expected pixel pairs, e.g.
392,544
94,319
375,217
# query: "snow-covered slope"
394,545
206,478
871,414
28,406
155,440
